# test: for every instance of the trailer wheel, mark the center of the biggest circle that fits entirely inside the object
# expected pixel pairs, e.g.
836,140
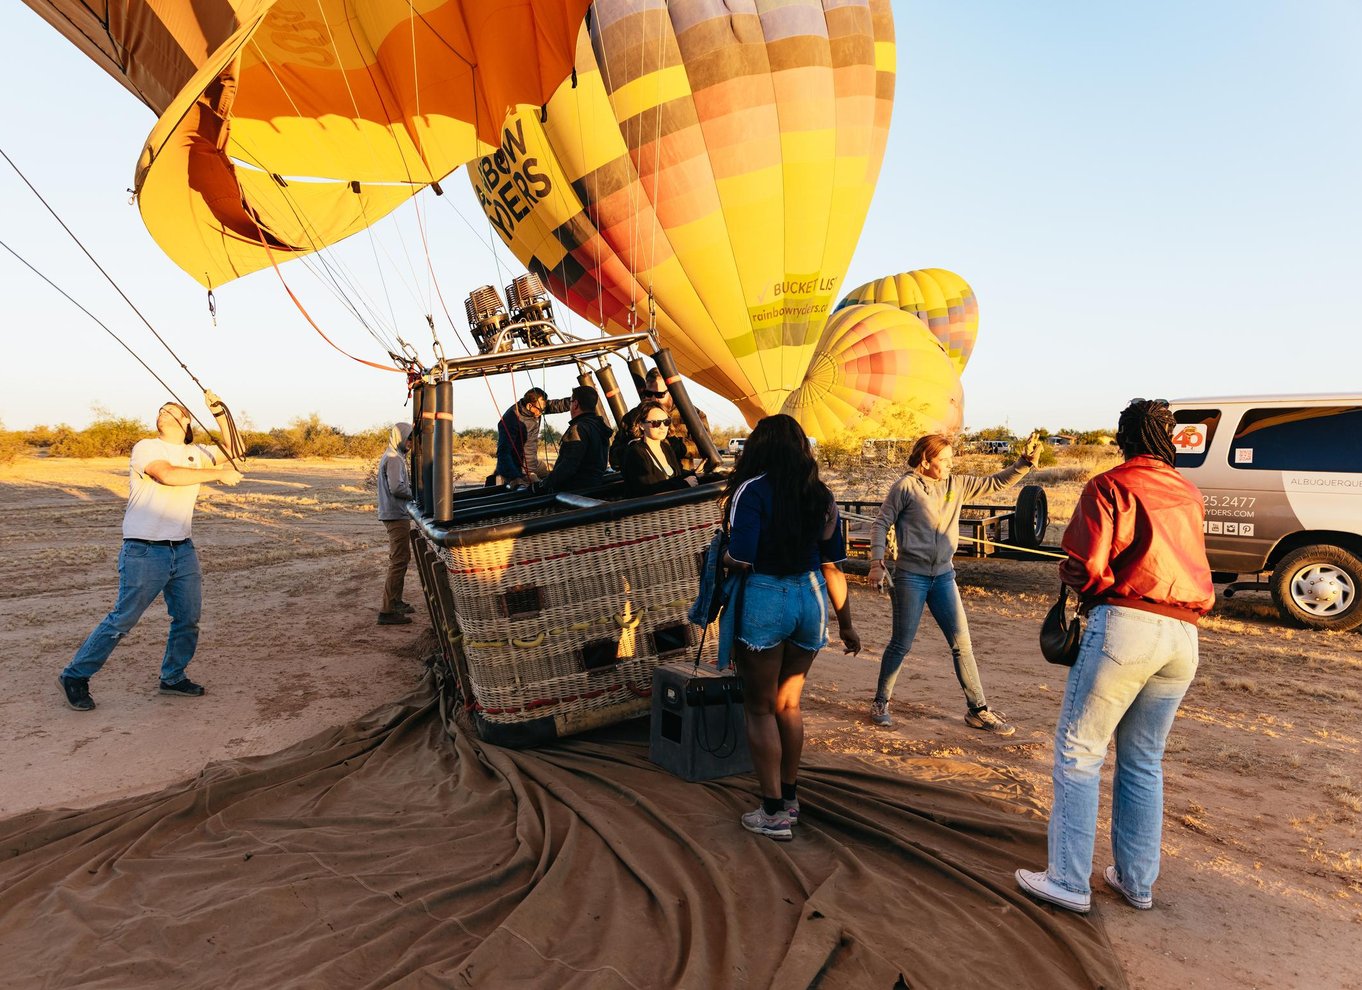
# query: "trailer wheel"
1031,518
1320,586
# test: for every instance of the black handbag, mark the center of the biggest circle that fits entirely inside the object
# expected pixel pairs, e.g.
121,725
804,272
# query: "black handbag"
1060,635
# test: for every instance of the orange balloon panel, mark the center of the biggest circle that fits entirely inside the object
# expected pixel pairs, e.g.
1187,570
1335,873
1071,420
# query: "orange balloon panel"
941,299
876,365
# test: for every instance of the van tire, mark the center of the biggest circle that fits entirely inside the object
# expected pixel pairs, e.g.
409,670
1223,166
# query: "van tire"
1031,517
1303,574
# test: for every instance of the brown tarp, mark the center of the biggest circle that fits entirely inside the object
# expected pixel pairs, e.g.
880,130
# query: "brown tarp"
388,853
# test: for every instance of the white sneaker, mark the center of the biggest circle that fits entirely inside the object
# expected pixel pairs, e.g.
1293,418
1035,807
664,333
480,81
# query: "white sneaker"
1114,882
1040,886
879,712
775,826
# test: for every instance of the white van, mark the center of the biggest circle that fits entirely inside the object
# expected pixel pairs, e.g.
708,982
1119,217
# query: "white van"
1281,477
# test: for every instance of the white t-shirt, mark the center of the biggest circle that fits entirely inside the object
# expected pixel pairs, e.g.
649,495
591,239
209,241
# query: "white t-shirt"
157,511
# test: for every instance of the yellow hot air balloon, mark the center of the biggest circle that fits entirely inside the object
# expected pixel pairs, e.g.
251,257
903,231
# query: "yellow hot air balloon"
287,125
941,299
716,163
875,364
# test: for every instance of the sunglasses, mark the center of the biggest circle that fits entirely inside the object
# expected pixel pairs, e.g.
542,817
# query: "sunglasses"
655,423
652,395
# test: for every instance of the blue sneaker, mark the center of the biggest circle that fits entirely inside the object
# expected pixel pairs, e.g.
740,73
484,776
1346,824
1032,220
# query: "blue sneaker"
183,689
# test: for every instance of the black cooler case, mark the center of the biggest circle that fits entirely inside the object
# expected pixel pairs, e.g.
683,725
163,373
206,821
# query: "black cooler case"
698,729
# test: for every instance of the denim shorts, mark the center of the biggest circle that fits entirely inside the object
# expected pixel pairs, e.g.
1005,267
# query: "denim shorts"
779,609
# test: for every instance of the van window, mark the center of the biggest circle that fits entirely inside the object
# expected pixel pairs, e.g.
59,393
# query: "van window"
1193,436
1316,438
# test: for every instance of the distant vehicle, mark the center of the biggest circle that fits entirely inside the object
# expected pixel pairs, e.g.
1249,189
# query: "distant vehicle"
1281,478
736,445
996,446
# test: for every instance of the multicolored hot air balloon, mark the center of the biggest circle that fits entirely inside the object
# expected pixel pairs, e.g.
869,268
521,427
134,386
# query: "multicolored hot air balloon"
715,162
875,363
941,299
286,125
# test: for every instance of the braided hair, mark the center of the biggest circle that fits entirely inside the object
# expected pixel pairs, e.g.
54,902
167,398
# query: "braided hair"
1146,427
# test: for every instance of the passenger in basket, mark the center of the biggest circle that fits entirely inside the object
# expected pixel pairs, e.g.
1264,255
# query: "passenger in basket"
785,539
652,463
655,390
1137,558
584,447
923,508
518,461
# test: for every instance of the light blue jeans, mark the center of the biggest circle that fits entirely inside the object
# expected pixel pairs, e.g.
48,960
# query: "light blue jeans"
910,594
1132,670
143,573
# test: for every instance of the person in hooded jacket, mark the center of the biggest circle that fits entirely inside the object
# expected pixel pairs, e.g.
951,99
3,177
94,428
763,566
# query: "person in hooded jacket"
518,432
394,491
584,448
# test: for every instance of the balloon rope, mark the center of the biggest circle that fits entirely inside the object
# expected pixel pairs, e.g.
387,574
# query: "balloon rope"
100,267
121,342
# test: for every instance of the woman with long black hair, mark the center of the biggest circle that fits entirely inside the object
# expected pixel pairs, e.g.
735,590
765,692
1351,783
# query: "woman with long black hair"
785,541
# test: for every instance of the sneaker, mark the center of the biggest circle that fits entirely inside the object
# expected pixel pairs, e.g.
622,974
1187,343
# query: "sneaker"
77,691
792,811
775,826
394,619
1114,882
406,607
1040,886
879,712
183,689
990,721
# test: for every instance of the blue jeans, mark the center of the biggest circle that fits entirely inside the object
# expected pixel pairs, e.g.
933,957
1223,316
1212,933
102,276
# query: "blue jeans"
1132,670
143,573
911,592
775,609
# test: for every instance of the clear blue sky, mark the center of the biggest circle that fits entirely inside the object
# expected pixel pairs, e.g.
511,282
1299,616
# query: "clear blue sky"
1157,199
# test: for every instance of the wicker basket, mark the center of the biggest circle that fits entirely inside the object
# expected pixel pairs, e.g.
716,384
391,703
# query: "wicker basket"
559,628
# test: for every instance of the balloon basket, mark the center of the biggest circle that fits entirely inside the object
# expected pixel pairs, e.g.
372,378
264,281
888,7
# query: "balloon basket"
553,611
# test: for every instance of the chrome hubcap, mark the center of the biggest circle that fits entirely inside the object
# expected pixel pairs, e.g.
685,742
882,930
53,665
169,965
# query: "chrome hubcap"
1322,589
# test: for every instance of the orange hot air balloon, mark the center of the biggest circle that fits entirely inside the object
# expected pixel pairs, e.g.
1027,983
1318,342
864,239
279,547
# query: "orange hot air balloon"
941,299
716,161
287,125
875,364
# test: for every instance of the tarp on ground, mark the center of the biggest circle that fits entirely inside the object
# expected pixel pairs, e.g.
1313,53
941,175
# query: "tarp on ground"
390,853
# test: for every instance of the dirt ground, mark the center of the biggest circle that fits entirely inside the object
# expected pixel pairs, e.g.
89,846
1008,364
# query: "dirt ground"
1262,872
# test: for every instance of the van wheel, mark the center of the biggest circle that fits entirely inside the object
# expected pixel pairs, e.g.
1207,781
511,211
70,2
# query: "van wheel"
1031,517
1320,587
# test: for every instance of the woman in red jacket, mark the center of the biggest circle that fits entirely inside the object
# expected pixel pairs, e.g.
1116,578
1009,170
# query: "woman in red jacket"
1137,558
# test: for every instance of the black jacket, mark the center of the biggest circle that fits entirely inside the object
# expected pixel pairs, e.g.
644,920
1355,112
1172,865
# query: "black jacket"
581,455
642,476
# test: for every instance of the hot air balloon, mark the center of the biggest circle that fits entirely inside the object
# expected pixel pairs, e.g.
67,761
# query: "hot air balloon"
707,170
286,125
941,299
875,364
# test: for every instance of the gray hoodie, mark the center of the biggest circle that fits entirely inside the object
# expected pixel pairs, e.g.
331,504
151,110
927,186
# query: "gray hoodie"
925,514
394,486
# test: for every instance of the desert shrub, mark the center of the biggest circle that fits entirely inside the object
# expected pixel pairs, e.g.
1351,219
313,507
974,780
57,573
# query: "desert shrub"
842,449
41,437
107,436
481,440
11,445
368,443
308,437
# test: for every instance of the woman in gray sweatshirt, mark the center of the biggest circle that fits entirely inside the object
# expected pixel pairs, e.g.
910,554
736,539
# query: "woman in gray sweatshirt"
924,507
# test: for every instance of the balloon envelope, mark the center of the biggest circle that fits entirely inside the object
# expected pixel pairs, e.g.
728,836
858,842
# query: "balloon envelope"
941,299
876,367
716,159
287,125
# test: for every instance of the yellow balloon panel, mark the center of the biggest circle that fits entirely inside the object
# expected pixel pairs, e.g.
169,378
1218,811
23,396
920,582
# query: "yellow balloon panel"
941,299
877,364
721,162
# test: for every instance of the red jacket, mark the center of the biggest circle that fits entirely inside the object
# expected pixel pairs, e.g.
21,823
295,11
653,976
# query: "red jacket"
1136,540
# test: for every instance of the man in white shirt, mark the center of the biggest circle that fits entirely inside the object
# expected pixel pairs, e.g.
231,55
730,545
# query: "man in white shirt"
157,557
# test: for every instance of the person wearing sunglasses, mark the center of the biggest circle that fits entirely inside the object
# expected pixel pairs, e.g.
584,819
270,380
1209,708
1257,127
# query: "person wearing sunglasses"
157,557
655,390
652,462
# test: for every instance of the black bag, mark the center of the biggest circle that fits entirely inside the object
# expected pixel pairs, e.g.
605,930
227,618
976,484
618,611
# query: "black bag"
1060,635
